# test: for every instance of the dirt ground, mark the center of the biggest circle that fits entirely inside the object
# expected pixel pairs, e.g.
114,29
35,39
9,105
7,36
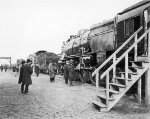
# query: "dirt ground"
57,100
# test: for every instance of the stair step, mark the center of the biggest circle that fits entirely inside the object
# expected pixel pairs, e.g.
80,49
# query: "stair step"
123,78
99,104
133,73
139,67
110,90
119,85
113,91
138,61
104,97
102,89
143,56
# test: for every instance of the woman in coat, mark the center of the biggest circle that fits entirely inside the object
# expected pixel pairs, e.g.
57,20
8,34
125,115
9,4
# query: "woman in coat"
27,72
51,72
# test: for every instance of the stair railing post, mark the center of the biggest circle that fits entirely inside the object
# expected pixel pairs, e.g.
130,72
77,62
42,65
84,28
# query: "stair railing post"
147,76
97,82
126,69
135,49
114,68
107,89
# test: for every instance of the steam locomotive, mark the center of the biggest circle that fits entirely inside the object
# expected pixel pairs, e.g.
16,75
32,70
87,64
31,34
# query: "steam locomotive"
90,48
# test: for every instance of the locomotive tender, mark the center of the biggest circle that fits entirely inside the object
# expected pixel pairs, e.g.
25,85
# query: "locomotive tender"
90,48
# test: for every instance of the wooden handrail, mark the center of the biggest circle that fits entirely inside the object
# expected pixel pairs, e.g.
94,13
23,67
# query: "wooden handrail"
106,61
124,54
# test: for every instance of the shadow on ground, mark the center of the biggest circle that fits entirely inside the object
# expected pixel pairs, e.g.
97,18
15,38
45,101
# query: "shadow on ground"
130,105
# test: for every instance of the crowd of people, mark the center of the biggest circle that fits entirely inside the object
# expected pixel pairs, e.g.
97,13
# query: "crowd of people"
3,68
26,70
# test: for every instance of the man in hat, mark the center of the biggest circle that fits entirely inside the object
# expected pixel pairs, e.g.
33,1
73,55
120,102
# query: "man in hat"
21,73
26,79
37,70
71,68
66,72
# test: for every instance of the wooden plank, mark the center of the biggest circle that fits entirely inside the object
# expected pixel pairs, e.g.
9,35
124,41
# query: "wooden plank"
135,49
138,67
114,69
99,104
126,69
147,77
104,97
119,85
113,91
139,90
97,82
107,89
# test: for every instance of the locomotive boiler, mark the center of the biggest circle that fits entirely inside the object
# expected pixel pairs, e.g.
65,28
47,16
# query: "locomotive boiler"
75,42
89,48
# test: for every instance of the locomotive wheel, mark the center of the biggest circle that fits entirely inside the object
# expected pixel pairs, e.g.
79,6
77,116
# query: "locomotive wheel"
85,77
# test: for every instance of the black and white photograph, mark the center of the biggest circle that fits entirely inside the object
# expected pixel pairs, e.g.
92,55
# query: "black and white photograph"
74,59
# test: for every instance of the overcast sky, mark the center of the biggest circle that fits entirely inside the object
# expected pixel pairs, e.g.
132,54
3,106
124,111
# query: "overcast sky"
27,26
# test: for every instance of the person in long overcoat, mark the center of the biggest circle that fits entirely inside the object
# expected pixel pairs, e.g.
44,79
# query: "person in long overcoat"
21,73
66,72
27,72
1,68
51,72
71,68
37,70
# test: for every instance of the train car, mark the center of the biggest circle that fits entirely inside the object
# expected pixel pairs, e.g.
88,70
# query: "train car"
43,59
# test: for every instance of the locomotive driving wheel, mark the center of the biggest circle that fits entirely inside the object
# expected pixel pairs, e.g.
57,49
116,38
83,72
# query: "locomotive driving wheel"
85,77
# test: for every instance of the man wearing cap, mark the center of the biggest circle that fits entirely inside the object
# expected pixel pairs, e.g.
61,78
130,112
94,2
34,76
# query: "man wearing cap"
66,72
26,79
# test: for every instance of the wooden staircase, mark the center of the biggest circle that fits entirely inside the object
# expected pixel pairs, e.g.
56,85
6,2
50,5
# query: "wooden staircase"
117,86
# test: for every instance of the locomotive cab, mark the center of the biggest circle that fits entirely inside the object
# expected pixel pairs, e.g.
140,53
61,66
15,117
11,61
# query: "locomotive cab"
129,21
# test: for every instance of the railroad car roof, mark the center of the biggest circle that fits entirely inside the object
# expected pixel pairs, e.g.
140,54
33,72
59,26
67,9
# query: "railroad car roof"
135,6
101,24
41,51
134,10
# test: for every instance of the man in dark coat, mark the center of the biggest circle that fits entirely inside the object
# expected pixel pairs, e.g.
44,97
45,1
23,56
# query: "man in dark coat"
66,72
37,70
1,68
26,80
71,68
21,73
5,67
